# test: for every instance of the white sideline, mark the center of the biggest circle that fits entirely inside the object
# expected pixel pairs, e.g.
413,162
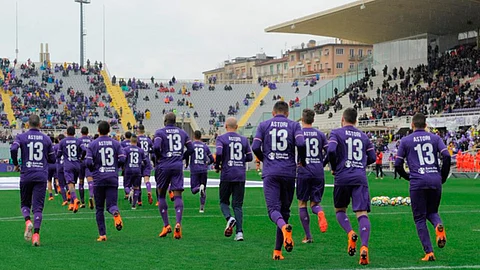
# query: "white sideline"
426,267
12,183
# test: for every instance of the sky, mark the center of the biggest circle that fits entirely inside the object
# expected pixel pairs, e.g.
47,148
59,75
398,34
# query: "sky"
157,38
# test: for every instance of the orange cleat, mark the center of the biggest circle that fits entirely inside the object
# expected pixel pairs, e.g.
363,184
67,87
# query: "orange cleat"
50,198
364,260
36,240
156,204
429,257
28,230
70,207
102,238
59,190
150,199
352,243
441,236
322,222
170,194
118,221
165,231
287,237
307,240
76,205
64,203
277,255
177,233
140,203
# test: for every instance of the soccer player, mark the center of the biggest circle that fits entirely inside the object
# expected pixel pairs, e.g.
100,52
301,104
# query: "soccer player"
104,158
126,185
146,144
233,151
126,141
61,173
36,152
349,153
199,161
85,172
421,149
135,164
274,145
71,150
168,145
311,179
52,176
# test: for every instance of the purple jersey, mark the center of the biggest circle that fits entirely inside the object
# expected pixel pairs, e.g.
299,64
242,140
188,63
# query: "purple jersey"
168,145
136,160
85,141
145,143
71,150
234,151
200,158
276,140
125,143
316,145
104,156
59,160
36,152
420,149
353,152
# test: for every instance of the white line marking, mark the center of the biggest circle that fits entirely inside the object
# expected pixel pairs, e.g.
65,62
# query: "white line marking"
426,267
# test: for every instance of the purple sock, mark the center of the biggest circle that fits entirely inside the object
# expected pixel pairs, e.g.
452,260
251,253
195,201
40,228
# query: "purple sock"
64,194
203,199
37,219
113,209
136,193
73,195
434,218
26,211
127,190
364,228
276,217
178,208
81,190
317,209
149,187
343,221
305,218
163,207
90,189
279,239
195,190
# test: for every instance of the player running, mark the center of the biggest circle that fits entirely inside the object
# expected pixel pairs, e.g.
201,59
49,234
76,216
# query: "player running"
350,152
168,145
36,152
274,145
104,158
85,172
135,164
62,185
199,160
311,179
52,176
233,151
71,150
146,144
421,149
127,187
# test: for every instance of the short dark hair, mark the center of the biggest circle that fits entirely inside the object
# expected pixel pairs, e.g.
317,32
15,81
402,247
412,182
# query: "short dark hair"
95,136
71,131
103,128
61,137
170,119
141,128
133,138
128,135
419,120
308,116
197,135
280,107
34,121
350,115
84,131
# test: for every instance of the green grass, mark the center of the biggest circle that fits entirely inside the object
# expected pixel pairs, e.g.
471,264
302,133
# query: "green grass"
68,240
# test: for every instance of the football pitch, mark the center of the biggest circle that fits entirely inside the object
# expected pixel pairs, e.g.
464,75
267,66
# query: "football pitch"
69,240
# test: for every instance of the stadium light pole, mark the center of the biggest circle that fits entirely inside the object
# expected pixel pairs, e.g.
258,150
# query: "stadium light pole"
16,31
82,34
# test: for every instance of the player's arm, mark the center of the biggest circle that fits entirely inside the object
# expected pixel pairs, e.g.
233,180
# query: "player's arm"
446,160
248,152
80,154
331,152
89,159
14,153
219,146
121,156
400,159
300,144
324,149
157,145
371,155
61,145
257,144
50,152
211,160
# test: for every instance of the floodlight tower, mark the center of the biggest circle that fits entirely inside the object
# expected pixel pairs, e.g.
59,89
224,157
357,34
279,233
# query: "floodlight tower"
82,30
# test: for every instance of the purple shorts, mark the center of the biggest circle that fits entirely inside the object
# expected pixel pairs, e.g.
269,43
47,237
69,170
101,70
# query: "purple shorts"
310,189
32,194
359,195
61,179
279,193
132,180
174,178
425,201
84,172
71,175
196,179
52,172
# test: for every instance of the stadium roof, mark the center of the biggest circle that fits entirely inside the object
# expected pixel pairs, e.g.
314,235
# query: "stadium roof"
376,21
